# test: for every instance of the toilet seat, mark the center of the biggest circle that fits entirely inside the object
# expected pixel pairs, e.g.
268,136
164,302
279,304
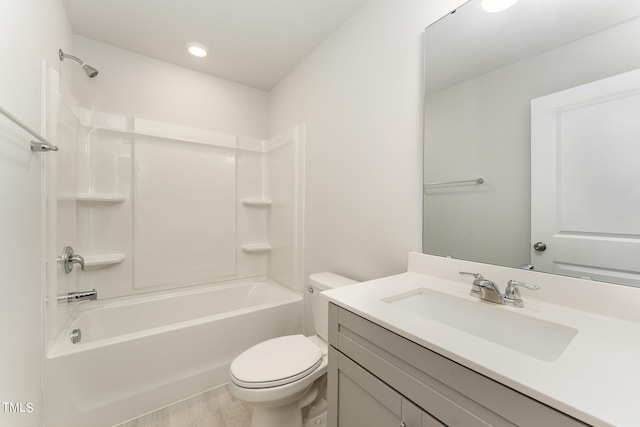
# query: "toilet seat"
276,362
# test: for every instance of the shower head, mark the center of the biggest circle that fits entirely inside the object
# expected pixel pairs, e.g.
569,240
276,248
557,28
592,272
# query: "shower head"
91,72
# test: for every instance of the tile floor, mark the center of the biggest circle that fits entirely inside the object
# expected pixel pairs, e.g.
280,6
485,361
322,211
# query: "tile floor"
213,408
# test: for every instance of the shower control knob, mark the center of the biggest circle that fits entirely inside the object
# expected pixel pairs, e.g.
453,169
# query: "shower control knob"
540,246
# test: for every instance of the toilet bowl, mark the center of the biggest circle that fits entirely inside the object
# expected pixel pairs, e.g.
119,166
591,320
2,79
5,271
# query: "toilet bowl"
280,376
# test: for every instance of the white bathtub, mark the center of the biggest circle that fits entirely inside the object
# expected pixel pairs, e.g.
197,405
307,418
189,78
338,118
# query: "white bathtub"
143,353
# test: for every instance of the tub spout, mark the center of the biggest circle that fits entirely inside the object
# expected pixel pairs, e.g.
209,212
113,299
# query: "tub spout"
79,296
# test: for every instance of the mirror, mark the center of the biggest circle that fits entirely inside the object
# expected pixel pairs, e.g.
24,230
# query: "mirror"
487,77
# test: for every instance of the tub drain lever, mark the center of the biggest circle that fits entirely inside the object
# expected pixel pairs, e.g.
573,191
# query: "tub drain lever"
75,336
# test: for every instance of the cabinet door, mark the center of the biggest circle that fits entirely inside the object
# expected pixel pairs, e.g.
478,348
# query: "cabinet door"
412,415
364,400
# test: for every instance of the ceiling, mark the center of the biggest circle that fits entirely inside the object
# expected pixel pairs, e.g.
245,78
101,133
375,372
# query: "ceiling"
513,34
253,42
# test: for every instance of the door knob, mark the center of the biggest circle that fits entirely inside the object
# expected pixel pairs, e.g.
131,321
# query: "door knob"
540,246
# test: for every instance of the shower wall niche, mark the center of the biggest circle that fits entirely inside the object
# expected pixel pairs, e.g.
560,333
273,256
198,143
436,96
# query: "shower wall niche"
161,206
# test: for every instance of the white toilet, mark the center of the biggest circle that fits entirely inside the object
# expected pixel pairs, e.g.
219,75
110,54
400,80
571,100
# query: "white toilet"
280,376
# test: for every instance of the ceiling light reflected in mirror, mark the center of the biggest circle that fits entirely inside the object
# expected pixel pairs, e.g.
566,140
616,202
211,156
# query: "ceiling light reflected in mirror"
196,49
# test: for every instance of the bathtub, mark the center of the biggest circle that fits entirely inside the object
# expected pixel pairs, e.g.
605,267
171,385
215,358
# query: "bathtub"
142,353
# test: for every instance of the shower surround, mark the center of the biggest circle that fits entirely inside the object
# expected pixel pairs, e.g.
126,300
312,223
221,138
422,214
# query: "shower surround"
172,221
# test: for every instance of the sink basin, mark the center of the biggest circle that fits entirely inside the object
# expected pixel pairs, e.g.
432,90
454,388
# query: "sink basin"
500,325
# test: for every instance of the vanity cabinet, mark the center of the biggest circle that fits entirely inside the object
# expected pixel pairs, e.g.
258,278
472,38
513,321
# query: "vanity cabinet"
364,400
379,378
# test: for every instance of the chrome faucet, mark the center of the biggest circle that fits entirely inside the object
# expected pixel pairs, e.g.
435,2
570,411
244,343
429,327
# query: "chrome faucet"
512,293
487,290
68,259
484,289
78,296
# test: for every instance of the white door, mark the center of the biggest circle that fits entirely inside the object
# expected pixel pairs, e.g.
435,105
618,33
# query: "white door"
585,180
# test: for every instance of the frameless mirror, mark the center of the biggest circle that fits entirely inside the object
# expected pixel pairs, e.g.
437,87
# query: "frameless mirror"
541,102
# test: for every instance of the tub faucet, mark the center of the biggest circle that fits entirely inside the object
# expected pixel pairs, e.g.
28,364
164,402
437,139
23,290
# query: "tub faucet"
68,259
78,296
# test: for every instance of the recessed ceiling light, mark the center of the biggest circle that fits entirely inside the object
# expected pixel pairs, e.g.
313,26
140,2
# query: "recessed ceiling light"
197,49
497,5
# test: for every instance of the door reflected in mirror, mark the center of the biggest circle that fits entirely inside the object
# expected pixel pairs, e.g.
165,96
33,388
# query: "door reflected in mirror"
483,73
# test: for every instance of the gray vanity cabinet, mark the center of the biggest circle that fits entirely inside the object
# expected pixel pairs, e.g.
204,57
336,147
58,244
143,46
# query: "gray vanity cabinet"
364,400
378,378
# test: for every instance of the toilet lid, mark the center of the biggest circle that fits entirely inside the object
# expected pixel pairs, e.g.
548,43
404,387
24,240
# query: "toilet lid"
275,362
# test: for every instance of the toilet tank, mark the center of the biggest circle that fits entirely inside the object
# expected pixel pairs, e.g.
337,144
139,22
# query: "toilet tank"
319,282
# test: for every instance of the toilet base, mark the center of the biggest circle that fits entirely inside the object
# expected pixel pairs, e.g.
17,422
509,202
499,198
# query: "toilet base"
319,420
290,416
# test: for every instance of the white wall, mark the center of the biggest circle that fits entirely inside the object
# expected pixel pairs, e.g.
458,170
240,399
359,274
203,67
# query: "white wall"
360,95
30,30
130,84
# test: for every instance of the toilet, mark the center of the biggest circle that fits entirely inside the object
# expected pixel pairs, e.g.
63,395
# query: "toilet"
280,376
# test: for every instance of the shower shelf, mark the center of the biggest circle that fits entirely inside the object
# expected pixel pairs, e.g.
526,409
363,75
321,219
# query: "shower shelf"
256,247
258,203
94,262
100,198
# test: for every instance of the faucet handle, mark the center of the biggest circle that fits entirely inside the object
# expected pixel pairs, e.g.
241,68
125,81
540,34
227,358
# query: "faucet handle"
475,288
476,275
515,283
69,258
77,259
512,295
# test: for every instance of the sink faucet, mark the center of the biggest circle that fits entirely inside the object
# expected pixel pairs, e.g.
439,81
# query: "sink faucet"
487,290
512,293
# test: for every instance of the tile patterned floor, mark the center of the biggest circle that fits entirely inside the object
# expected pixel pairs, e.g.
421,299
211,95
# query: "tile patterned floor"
213,408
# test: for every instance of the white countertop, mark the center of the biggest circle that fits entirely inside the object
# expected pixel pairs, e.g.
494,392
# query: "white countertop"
597,377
